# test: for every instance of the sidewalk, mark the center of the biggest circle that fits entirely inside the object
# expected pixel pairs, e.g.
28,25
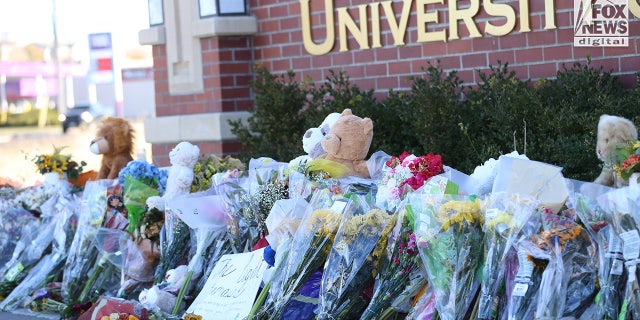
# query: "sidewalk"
27,314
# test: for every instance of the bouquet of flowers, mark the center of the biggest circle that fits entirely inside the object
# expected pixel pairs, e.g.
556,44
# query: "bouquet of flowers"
82,253
307,175
569,280
13,222
141,180
309,250
598,224
623,205
59,163
449,236
352,261
51,264
266,186
206,167
505,215
404,174
628,159
401,259
27,254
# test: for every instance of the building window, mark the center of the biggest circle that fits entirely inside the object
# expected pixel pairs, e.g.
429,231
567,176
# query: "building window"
210,8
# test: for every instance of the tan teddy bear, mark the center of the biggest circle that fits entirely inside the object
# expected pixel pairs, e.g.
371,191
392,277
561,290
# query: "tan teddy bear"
612,130
114,141
348,143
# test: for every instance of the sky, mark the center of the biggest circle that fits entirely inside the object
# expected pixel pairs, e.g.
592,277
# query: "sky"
30,21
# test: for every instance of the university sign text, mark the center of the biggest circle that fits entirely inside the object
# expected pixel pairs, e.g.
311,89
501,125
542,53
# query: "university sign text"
429,27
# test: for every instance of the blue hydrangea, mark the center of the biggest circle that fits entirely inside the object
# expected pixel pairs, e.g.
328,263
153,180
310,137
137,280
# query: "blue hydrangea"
145,172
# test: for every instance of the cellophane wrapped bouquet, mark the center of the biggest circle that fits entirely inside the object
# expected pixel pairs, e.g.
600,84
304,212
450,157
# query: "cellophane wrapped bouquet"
504,216
31,247
82,253
63,210
354,259
599,225
624,206
401,259
404,174
450,239
307,253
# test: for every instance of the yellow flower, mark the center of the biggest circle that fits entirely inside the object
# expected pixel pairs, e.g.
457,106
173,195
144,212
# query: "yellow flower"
454,212
499,218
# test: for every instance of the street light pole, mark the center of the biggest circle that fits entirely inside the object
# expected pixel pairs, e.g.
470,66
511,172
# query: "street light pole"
60,98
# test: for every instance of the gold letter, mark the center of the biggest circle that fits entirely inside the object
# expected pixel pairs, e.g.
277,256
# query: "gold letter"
346,22
375,25
466,15
550,15
524,16
499,10
398,29
634,7
423,18
309,45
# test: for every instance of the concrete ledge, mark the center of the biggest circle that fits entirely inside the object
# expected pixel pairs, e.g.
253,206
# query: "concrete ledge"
192,127
225,26
152,36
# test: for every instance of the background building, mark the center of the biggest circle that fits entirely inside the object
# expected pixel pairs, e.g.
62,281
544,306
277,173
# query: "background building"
203,54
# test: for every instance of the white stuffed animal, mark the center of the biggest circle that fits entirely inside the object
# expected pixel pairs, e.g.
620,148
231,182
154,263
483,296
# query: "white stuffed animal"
183,158
311,139
612,130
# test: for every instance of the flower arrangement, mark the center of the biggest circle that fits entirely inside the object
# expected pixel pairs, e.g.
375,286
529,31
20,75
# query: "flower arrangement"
395,273
59,163
351,265
404,174
146,173
308,252
628,156
450,239
206,167
505,215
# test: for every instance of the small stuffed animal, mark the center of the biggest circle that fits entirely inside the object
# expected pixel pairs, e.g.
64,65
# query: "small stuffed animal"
612,130
348,143
311,140
114,141
183,158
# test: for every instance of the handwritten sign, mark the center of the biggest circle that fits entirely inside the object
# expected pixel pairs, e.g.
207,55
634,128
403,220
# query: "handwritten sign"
200,211
231,287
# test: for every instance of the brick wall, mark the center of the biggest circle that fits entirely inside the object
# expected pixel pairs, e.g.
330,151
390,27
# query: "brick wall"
537,46
536,54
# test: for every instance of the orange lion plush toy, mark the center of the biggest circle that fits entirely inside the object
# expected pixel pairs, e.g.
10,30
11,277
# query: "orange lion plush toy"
114,141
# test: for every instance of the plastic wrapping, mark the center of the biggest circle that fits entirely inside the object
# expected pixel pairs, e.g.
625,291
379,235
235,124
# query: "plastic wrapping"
449,235
505,215
27,254
14,221
135,195
624,206
309,249
51,264
351,263
400,260
598,224
424,305
404,174
82,253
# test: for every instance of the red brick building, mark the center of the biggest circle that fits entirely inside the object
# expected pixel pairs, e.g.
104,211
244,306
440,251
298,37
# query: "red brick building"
203,63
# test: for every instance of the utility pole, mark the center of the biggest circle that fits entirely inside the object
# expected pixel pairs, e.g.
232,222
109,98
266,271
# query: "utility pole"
61,105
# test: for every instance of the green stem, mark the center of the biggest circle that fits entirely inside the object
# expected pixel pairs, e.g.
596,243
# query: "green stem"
181,293
259,301
92,280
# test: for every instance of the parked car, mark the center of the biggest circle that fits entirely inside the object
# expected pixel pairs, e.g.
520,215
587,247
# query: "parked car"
82,116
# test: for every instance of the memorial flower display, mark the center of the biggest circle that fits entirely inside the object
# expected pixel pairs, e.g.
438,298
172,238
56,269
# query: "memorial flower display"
394,246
